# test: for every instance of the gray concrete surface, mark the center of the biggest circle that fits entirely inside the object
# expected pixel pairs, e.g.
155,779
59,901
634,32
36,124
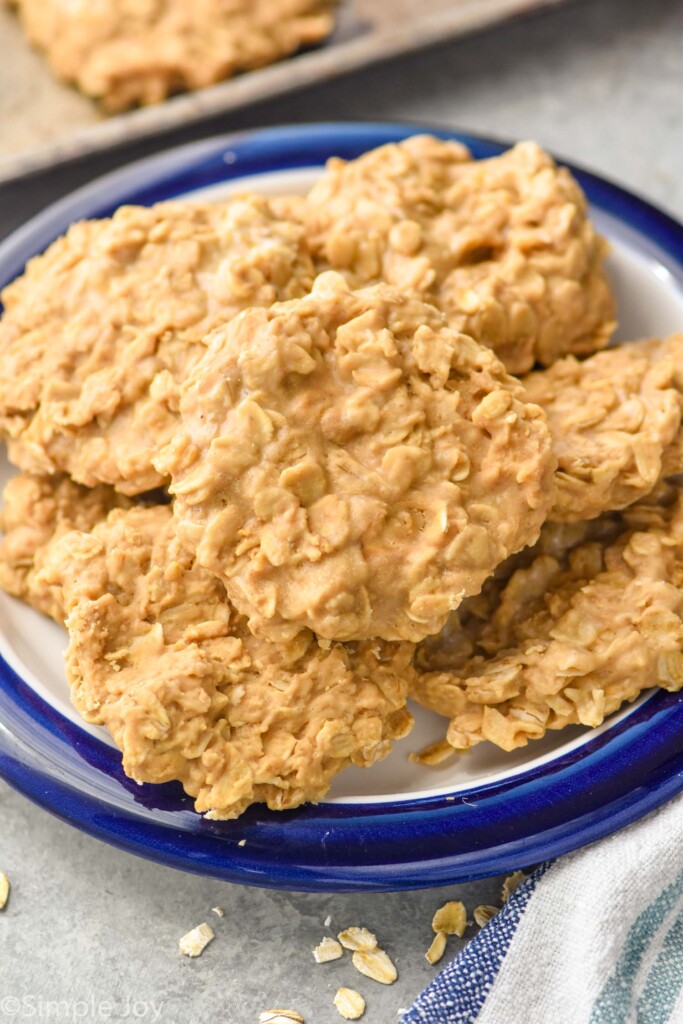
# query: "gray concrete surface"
88,924
91,933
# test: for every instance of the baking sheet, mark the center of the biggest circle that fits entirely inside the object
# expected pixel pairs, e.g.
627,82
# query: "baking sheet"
43,122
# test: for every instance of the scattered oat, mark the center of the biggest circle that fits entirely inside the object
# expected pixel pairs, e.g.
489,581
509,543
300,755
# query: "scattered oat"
218,911
280,1017
328,921
437,948
4,890
357,938
483,914
242,842
511,883
196,941
328,949
375,964
434,754
451,918
350,1003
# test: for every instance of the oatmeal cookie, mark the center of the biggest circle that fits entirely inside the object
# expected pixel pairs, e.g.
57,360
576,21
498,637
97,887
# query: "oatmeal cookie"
503,246
612,418
351,464
467,627
158,655
36,511
99,330
569,640
128,52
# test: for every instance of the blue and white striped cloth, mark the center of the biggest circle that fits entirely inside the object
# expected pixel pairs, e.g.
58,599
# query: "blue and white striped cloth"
595,937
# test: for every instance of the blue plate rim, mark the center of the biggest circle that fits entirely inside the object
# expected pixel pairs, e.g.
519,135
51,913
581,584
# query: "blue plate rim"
572,800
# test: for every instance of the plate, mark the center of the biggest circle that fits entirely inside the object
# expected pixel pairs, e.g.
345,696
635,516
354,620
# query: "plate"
399,825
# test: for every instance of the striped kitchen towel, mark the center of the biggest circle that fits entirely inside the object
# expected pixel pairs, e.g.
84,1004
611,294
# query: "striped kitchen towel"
595,937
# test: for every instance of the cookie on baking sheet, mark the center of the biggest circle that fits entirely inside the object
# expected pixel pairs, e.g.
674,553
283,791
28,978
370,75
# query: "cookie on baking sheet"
128,52
158,654
349,463
567,640
36,511
99,330
613,418
503,246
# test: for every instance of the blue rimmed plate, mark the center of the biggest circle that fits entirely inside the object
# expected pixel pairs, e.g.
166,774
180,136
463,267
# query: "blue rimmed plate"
398,825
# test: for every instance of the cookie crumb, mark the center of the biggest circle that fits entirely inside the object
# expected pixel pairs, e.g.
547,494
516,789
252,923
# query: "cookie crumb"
349,1003
451,918
218,911
434,754
483,914
4,890
357,938
376,964
511,883
280,1017
196,941
327,949
437,948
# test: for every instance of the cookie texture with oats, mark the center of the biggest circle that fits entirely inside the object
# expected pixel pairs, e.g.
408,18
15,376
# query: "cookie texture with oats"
350,464
613,418
567,640
100,330
129,52
464,634
158,654
503,246
36,511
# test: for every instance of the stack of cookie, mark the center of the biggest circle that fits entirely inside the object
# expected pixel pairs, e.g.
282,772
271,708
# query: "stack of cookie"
277,476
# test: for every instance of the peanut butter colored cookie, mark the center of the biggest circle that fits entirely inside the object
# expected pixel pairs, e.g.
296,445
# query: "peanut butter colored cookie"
100,329
158,654
351,464
612,418
36,511
503,246
465,634
127,52
569,640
